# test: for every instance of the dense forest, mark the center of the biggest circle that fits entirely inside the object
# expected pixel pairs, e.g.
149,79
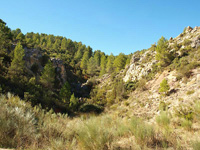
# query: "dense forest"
51,70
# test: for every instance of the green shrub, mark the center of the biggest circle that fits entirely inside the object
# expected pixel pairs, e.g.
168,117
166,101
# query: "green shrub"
131,85
163,119
184,111
17,123
144,133
98,133
162,106
190,92
164,87
142,84
187,124
91,108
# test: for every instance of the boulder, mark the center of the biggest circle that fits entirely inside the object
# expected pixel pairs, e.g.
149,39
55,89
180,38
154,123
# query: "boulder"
188,29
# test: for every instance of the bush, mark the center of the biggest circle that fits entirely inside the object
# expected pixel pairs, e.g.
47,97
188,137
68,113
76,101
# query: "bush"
190,92
91,108
97,133
142,84
144,133
184,111
17,123
164,87
131,85
187,124
163,119
162,106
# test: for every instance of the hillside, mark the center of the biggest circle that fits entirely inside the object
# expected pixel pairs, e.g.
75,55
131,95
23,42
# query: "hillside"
65,96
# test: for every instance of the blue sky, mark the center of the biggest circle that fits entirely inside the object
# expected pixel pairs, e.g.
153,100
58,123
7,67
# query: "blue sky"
107,25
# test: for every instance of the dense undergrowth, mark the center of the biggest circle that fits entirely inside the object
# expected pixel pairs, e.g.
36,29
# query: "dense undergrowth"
25,127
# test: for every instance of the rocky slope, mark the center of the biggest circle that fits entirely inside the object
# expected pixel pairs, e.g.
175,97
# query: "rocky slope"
182,98
141,64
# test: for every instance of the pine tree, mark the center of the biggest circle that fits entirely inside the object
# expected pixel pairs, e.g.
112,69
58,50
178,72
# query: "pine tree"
17,65
56,45
70,47
5,37
97,57
103,65
164,87
109,65
64,44
73,102
65,92
119,62
91,66
84,60
79,53
89,49
48,75
162,52
16,32
20,37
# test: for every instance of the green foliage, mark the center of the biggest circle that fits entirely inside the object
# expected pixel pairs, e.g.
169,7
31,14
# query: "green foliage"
91,67
120,62
35,68
103,65
190,92
65,93
131,85
141,84
162,106
162,52
97,57
184,69
17,64
79,53
143,133
119,89
17,124
5,37
187,124
20,37
164,87
85,59
185,111
109,65
73,102
93,136
91,108
163,119
64,44
48,75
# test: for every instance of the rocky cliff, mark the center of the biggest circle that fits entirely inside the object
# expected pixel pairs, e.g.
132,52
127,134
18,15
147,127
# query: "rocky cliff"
141,63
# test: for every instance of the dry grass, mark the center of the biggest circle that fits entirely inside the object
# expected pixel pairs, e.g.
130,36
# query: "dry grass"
24,127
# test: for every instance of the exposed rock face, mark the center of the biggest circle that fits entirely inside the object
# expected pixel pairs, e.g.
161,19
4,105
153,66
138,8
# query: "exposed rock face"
60,70
33,56
140,66
190,34
188,29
